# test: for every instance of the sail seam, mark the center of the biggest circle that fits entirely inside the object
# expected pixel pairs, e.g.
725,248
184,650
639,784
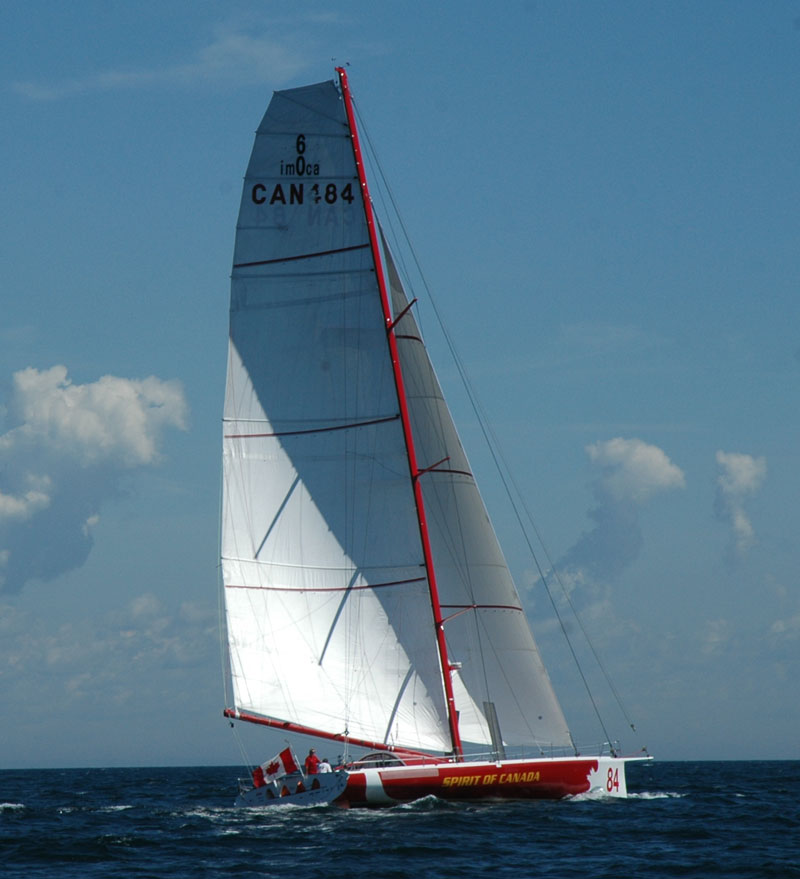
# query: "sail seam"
311,108
327,588
308,430
466,608
308,567
450,470
484,607
267,262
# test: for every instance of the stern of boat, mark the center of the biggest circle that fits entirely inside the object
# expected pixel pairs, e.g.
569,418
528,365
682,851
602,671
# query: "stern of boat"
295,790
609,778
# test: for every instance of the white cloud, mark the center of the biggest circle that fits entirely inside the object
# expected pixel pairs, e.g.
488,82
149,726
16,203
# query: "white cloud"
64,457
89,524
634,470
112,419
741,476
232,57
24,505
631,472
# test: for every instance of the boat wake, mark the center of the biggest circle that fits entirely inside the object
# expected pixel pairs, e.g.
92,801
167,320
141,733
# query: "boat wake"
12,807
603,797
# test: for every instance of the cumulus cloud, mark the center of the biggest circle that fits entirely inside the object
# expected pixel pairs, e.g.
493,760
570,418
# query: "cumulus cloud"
64,457
232,57
113,419
630,473
740,477
27,503
634,470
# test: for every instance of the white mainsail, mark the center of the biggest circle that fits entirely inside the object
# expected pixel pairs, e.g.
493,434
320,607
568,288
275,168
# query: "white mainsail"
322,568
329,610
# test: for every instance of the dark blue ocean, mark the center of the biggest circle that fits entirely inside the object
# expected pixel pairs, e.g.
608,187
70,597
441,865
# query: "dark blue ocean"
731,819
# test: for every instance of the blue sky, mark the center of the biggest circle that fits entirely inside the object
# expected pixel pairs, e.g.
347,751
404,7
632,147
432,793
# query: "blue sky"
603,198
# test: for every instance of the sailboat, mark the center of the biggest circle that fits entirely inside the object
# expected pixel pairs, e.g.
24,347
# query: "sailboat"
367,600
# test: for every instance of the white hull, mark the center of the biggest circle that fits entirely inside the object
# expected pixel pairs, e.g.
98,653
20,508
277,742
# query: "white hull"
296,790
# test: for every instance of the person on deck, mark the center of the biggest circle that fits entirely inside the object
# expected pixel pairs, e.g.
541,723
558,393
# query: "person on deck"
324,766
312,763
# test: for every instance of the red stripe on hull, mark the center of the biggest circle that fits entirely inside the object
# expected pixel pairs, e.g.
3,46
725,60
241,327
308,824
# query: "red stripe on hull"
525,779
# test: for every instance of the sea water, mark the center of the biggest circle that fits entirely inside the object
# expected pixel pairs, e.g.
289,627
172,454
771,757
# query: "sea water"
727,819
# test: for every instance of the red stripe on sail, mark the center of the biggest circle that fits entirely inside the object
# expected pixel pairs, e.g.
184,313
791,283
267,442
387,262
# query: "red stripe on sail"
465,608
266,262
348,426
327,588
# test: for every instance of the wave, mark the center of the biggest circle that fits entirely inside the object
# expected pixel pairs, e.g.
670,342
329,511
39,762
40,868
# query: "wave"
602,796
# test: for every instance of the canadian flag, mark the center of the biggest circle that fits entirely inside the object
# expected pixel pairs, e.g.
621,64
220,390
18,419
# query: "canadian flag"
280,765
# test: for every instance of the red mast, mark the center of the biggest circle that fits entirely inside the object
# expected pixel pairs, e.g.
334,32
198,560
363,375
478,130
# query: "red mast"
452,713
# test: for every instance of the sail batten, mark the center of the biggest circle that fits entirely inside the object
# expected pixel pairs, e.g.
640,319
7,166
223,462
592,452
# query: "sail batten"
386,585
321,429
298,256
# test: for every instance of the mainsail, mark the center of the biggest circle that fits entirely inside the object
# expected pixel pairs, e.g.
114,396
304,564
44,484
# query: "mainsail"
342,564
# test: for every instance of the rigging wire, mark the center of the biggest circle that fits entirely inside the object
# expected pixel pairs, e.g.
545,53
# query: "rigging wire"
516,498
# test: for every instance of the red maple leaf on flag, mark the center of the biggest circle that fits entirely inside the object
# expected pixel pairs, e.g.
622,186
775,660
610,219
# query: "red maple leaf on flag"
287,758
273,768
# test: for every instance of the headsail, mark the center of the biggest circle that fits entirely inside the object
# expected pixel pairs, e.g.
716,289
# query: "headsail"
327,593
488,636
